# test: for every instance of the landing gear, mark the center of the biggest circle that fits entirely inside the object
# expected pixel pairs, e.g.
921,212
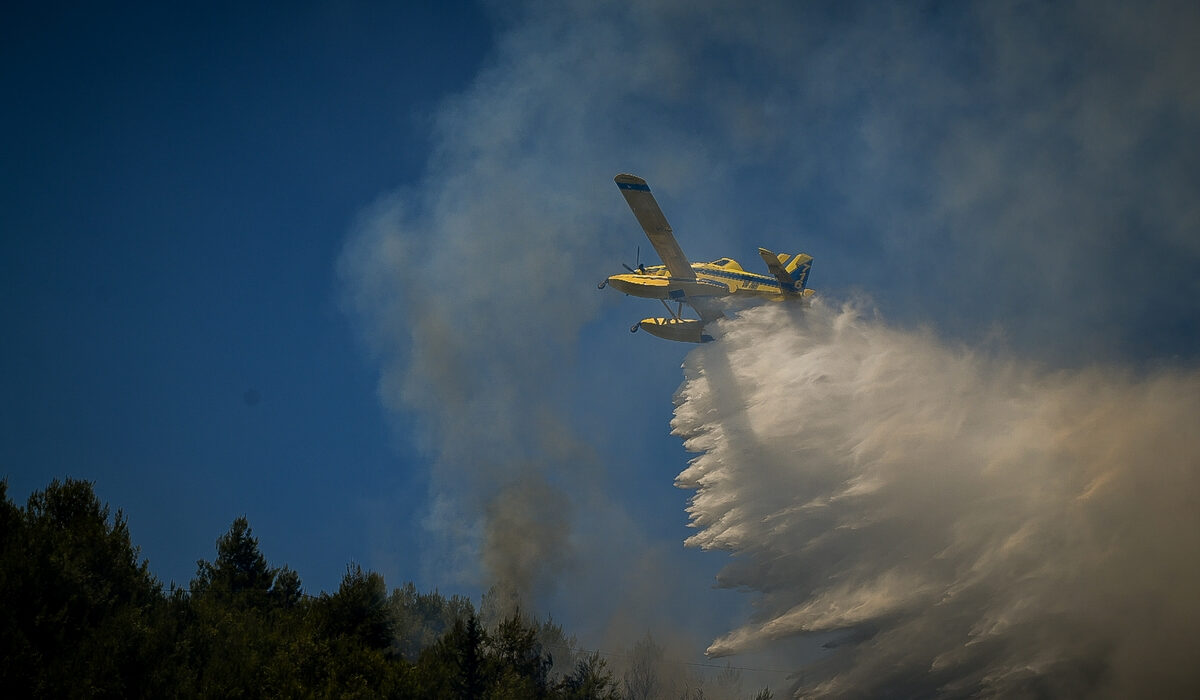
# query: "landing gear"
676,314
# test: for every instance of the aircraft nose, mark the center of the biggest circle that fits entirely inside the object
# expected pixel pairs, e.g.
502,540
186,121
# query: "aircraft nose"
617,283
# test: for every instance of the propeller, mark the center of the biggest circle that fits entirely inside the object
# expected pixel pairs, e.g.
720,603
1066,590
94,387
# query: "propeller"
639,270
638,265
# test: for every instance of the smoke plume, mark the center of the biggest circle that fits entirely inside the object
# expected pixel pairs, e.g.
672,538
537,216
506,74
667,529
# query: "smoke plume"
967,523
965,520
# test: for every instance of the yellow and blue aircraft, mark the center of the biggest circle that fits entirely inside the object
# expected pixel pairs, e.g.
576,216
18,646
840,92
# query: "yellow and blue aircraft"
697,284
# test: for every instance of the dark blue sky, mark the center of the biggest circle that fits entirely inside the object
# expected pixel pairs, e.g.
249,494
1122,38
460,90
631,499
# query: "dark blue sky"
176,188
334,267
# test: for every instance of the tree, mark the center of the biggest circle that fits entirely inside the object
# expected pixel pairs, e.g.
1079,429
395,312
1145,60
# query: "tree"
421,619
240,569
286,591
591,680
76,599
522,669
84,617
641,678
727,683
242,630
456,666
358,610
466,643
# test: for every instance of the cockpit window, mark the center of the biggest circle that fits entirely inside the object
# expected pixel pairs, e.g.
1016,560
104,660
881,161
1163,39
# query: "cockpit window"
722,262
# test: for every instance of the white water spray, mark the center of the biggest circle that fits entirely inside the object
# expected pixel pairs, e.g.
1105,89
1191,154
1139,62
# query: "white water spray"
972,524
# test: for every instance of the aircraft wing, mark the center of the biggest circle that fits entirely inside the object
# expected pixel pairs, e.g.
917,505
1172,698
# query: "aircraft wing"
645,209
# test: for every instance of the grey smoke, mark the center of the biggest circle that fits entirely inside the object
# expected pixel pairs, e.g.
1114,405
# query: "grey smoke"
1004,171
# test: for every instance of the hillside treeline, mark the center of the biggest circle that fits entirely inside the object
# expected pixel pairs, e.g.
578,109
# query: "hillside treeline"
83,617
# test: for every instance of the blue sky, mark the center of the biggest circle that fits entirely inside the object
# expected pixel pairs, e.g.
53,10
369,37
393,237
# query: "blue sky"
334,267
177,188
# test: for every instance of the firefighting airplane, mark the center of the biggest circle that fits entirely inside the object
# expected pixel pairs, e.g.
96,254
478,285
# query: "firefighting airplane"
697,284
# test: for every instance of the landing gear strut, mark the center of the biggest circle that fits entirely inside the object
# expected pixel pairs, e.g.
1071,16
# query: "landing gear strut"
676,314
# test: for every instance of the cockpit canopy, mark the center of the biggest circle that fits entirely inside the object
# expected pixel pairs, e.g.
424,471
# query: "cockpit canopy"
727,264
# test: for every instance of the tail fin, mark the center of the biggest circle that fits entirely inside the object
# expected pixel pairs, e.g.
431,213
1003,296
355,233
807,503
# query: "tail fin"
792,277
798,269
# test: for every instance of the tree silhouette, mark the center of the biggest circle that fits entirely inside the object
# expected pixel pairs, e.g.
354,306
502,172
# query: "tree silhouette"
522,668
84,617
358,610
240,569
77,602
641,678
591,680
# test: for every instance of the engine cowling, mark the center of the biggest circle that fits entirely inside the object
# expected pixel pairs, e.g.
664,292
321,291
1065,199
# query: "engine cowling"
680,330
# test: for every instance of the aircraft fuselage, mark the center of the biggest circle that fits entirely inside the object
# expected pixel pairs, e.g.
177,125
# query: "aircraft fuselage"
712,280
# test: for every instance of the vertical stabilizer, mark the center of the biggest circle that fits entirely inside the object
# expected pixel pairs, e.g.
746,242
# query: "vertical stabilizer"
798,269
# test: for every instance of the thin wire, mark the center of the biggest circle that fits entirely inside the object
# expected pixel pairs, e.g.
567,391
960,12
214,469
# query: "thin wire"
675,661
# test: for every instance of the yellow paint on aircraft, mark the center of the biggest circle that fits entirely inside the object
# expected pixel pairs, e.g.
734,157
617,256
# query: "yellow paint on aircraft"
696,284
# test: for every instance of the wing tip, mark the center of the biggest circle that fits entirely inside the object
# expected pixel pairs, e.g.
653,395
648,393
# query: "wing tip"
626,181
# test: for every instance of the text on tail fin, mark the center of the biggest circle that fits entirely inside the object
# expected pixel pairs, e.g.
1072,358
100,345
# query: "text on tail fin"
798,269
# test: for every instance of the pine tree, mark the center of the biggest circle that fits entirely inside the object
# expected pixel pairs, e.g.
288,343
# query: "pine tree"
76,599
240,569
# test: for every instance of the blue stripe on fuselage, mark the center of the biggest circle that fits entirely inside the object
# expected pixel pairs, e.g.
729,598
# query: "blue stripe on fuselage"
743,276
701,272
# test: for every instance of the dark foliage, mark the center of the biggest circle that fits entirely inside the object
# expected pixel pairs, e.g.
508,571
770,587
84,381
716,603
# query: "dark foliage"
78,607
83,617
